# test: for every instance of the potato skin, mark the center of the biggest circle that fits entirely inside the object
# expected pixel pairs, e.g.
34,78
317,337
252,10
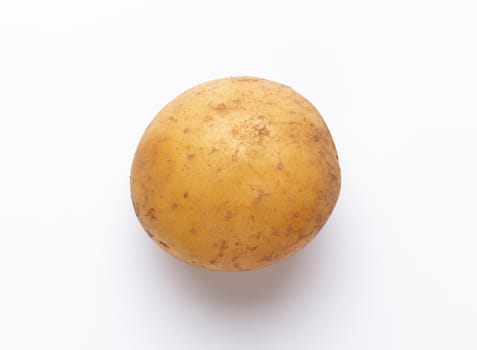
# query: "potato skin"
235,174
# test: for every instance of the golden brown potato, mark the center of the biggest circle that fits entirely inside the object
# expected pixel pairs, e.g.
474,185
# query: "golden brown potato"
235,174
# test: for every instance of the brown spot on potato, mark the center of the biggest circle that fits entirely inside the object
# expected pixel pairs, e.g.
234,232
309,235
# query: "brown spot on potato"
191,156
260,195
186,194
305,234
192,231
222,247
220,107
208,118
164,245
234,258
296,215
136,208
237,265
149,233
268,257
263,131
213,150
245,79
300,237
174,205
298,102
280,166
186,130
163,139
251,218
151,213
213,261
228,215
254,248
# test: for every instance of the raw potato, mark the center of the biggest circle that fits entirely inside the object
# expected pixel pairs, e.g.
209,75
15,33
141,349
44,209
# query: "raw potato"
235,174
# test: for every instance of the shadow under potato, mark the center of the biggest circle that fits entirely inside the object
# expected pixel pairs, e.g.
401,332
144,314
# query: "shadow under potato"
258,290
240,288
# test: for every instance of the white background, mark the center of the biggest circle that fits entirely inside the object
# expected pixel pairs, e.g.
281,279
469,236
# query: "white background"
394,268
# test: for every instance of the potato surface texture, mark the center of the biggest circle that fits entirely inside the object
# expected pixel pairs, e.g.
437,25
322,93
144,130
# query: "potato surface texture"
235,174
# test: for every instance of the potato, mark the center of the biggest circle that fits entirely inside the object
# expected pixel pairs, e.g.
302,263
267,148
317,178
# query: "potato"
235,174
